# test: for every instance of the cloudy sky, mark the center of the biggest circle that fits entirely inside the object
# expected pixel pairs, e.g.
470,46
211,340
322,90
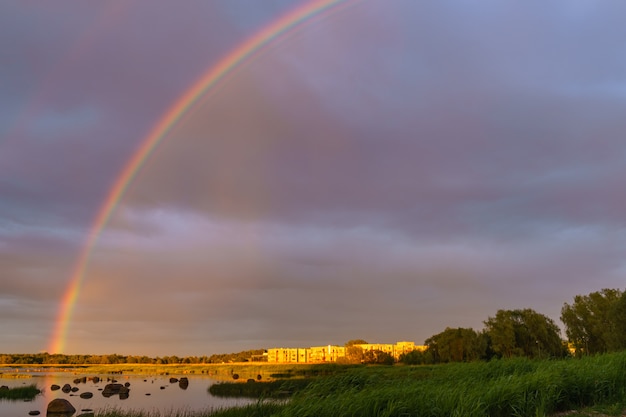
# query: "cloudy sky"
383,171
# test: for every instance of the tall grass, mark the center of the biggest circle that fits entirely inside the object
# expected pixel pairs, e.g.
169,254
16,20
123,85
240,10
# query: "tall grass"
27,392
502,388
259,409
267,389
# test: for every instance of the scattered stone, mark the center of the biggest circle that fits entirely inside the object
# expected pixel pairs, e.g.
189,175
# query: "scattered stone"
183,383
55,387
250,381
4,388
113,389
86,415
173,380
34,413
74,389
86,395
127,384
235,376
66,388
60,406
162,387
147,393
95,379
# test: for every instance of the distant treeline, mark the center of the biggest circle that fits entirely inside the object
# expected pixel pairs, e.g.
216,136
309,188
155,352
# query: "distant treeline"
45,358
594,323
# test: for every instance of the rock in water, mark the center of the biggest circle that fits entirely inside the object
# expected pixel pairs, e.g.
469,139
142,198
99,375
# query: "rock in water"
60,406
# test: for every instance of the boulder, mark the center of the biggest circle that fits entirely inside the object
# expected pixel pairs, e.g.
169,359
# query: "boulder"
4,388
66,388
60,406
95,379
115,389
86,395
112,389
183,383
55,387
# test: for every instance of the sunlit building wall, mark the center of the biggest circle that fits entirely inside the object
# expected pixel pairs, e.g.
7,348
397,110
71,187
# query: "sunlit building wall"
394,350
331,353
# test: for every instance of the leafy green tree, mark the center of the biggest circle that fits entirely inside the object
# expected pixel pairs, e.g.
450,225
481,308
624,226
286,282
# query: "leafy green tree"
592,321
619,315
415,357
456,345
355,342
377,357
354,354
524,333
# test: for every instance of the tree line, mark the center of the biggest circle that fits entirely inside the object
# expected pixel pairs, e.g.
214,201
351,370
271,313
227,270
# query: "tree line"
594,323
45,358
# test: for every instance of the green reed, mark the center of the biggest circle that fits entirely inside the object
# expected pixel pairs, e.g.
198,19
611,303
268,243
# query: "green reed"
500,388
27,392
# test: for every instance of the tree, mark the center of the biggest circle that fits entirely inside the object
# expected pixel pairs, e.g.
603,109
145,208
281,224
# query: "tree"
619,315
354,354
355,342
377,357
592,321
524,333
415,357
456,345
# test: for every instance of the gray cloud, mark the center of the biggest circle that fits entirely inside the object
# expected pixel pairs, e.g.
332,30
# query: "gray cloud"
382,173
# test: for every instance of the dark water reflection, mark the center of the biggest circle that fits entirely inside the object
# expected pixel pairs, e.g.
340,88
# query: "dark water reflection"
148,393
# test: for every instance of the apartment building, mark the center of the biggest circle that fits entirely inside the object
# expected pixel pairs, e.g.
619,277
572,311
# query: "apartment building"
330,353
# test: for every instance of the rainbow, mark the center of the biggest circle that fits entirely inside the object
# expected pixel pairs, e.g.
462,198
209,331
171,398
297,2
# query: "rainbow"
244,52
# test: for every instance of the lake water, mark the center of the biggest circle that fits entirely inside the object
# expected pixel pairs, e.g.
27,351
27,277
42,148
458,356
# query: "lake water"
149,393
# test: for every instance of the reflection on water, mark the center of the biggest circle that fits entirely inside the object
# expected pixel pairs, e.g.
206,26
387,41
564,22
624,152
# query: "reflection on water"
136,392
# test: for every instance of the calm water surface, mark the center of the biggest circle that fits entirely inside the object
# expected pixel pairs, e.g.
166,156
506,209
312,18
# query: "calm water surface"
145,394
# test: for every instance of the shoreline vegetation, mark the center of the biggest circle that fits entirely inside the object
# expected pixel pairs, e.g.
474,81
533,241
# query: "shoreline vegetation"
519,387
25,393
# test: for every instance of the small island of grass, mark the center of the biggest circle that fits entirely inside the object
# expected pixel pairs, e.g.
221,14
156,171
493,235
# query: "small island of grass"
27,392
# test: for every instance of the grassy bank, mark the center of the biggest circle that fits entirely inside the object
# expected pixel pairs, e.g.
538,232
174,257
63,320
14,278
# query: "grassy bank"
27,392
267,389
501,388
504,388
